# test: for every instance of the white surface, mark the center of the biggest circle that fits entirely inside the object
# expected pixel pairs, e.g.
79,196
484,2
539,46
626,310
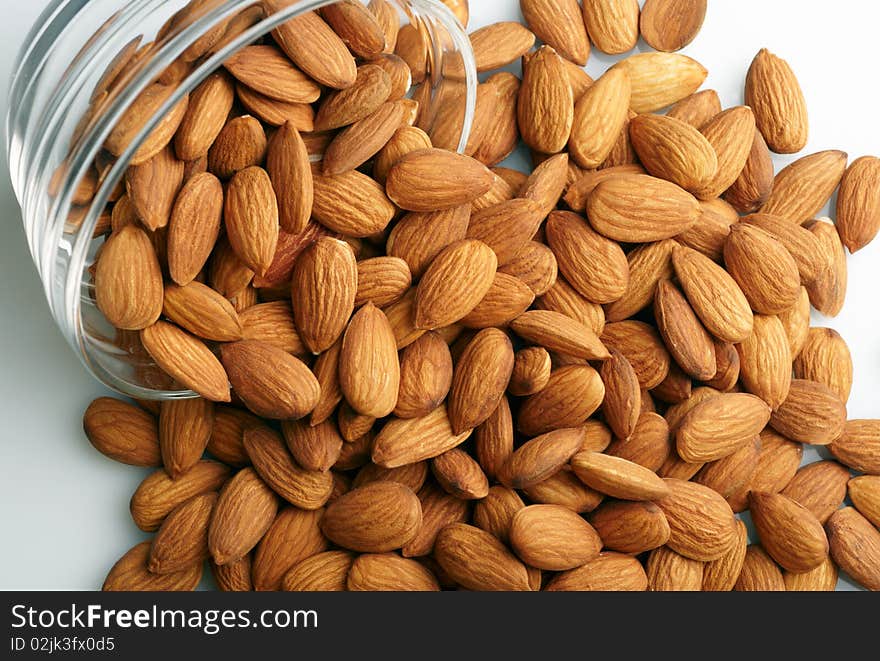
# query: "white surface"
64,508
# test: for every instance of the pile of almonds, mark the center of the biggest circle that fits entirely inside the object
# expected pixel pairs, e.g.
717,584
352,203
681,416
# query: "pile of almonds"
449,374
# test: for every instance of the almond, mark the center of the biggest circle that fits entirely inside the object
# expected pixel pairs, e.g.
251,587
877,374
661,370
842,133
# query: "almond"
480,378
506,227
182,540
559,23
187,360
864,492
552,537
294,536
233,577
540,457
412,476
765,361
643,347
701,522
684,335
828,293
122,432
648,443
618,477
801,244
647,265
670,572
661,79
419,237
610,571
369,372
636,208
274,112
271,382
565,489
406,441
721,575
128,280
153,186
570,397
714,295
287,162
759,573
425,376
493,439
613,26
855,546
820,487
359,142
477,560
859,445
131,573
777,463
531,371
194,226
227,435
351,203
202,311
501,136
697,109
455,282
559,333
825,358
752,188
433,179
858,203
240,145
412,48
266,70
585,181
407,139
357,27
545,108
731,134
371,89
811,413
562,297
773,92
386,16
499,44
136,116
670,25
496,511
630,527
796,322
720,425
507,298
306,489
206,113
314,47
389,572
460,475
535,266
378,517
821,579
789,532
599,116
326,571
184,429
801,189
272,323
324,287
158,494
674,150
439,509
243,513
314,447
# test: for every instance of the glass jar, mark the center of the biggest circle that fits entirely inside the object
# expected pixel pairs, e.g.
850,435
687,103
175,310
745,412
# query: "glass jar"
60,115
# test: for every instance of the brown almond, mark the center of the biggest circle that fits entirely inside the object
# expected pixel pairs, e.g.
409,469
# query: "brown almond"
557,332
314,447
535,266
271,382
643,347
825,358
531,371
821,579
858,203
326,571
433,179
227,435
122,431
194,226
789,532
719,426
610,571
670,25
182,540
351,204
773,92
240,145
565,489
153,186
369,371
570,397
493,439
357,26
272,323
801,244
559,23
688,341
701,522
506,227
184,429
759,573
763,268
765,361
374,518
864,492
545,107
206,113
721,575
618,477
499,44
274,112
243,513
287,162
202,311
419,237
478,561
460,475
406,441
552,537
661,79
599,116
496,511
828,293
647,265
801,189
630,526
811,413
697,109
540,457
613,26
731,134
670,572
251,218
820,487
752,188
439,509
294,536
507,298
479,380
389,572
130,573
265,69
858,446
855,546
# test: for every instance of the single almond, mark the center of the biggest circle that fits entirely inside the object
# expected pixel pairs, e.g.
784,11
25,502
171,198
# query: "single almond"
670,25
541,457
801,244
122,432
478,561
227,435
752,188
759,573
351,203
552,537
828,293
294,536
811,413
855,546
789,532
460,475
153,186
825,358
420,236
439,509
184,430
570,397
559,23
271,382
642,345
858,203
323,572
369,371
765,361
370,90
599,116
697,109
731,134
479,380
407,441
433,179
801,189
243,513
689,343
240,145
206,113
647,265
773,92
274,112
314,447
287,162
499,44
618,477
359,142
670,572
182,540
648,444
721,575
821,579
701,522
266,70
864,492
557,332
535,266
194,226
661,79
507,298
613,25
720,426
202,311
493,439
357,27
506,227
272,323
374,518
130,573
858,446
610,571
384,572
545,107
630,526
820,487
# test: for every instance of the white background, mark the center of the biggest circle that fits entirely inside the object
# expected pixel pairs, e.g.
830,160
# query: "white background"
64,507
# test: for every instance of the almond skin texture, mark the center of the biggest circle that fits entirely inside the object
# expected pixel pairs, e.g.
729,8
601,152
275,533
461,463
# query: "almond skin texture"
720,425
552,537
243,513
858,203
401,442
684,335
414,241
821,579
433,179
763,268
701,522
752,188
206,113
350,203
636,208
314,447
864,492
182,540
765,361
647,265
570,397
759,573
122,432
661,79
599,116
439,509
454,284
389,572
271,382
184,429
294,536
202,311
153,186
507,298
476,560
382,281
789,532
344,107
323,290
130,573
362,140
731,134
541,457
546,106
306,489
375,518
496,511
801,189
610,571
623,396
613,26
158,494
194,226
557,332
618,477
825,357
630,526
697,109
670,572
828,293
721,575
500,44
859,446
128,280
480,378
820,487
187,359
811,413
670,25
774,94
287,162
322,572
593,265
559,24
798,241
425,376
714,295
506,226
855,546
266,70
674,150
369,371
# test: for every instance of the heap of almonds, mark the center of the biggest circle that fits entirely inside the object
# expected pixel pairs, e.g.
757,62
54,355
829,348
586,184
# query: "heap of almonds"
447,373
